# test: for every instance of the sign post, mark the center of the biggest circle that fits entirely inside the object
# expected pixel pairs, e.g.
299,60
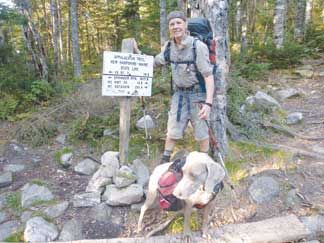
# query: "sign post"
126,74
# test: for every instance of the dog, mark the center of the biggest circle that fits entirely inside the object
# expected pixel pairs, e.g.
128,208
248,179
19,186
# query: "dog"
200,176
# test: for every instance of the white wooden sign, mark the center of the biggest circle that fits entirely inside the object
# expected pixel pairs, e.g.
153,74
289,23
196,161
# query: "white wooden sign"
127,74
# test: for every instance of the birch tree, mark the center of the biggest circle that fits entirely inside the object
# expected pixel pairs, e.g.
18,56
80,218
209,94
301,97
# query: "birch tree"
55,35
163,23
244,23
216,11
279,23
75,38
308,12
33,39
300,20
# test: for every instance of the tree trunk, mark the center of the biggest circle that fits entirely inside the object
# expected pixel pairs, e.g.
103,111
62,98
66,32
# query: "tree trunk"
182,5
308,12
2,37
163,23
75,38
55,34
33,39
244,42
197,8
300,20
237,20
216,11
279,23
60,33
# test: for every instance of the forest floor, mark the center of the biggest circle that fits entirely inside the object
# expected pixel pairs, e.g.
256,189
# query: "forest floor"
294,171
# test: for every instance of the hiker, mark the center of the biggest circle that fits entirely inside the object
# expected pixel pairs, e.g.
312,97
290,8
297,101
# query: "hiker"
190,102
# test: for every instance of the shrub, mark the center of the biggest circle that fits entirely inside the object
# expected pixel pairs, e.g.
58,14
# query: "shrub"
40,91
8,106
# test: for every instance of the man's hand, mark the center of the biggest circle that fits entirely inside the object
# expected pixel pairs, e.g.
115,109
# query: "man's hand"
204,112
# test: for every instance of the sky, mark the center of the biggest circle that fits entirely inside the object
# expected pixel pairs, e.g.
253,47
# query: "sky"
7,2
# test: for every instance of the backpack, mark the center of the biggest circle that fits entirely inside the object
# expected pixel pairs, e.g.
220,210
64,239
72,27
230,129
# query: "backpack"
200,29
166,185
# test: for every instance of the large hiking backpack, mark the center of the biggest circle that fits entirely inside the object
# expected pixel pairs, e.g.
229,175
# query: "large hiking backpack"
200,29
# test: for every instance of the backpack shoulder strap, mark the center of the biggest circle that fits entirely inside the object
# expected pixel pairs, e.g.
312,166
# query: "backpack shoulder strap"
167,52
199,76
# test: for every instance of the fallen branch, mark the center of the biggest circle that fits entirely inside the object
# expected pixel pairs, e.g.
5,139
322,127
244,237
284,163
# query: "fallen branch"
162,226
291,132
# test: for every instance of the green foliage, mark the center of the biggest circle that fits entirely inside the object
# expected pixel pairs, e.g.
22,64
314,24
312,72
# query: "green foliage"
40,91
58,154
38,182
16,237
14,201
8,106
252,70
176,226
314,39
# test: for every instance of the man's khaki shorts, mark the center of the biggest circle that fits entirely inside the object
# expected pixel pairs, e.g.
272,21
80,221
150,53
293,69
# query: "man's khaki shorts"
188,112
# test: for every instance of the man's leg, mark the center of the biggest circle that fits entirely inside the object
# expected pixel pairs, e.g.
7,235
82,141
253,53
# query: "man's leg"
168,149
204,145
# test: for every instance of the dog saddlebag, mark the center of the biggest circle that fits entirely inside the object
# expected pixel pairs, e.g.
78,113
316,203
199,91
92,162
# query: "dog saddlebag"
167,183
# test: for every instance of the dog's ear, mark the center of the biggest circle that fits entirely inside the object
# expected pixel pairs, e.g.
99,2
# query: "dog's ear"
215,174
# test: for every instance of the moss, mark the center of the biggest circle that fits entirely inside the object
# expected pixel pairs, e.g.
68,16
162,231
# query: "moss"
16,237
39,182
13,201
58,154
177,225
44,203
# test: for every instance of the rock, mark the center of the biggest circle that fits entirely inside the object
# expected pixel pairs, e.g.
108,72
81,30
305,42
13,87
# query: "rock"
14,149
317,169
8,228
61,139
321,74
39,230
86,167
32,193
263,189
5,179
123,196
111,159
141,171
101,212
315,224
72,230
286,93
88,199
3,217
136,207
100,179
318,149
66,160
265,101
124,177
25,216
14,168
56,210
292,200
140,124
305,71
3,199
294,118
108,132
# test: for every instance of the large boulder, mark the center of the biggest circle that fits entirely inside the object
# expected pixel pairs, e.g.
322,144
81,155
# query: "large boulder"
141,171
140,124
124,177
294,118
287,93
72,230
5,179
263,100
264,189
115,196
110,159
8,228
86,167
56,210
101,212
306,71
14,168
39,230
31,193
100,179
88,199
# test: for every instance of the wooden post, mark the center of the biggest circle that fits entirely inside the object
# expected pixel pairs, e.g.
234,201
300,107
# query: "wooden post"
125,111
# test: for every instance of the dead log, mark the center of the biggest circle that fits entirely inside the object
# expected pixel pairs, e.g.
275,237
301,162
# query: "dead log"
281,229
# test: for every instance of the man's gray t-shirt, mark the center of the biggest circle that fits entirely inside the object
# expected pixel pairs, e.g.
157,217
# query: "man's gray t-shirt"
182,74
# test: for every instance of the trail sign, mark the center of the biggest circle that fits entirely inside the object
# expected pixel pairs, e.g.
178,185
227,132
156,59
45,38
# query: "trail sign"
127,74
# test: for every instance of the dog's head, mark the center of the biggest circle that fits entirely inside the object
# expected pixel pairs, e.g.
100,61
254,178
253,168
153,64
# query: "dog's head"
200,172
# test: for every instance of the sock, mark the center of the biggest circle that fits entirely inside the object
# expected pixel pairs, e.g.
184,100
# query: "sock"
166,155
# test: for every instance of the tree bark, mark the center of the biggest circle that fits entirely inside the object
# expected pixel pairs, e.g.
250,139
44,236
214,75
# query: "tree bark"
244,42
33,39
197,8
300,20
216,11
182,5
55,34
2,37
75,38
279,23
60,33
163,23
308,12
237,20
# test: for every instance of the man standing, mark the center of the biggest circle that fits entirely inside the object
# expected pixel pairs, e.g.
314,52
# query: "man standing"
189,101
